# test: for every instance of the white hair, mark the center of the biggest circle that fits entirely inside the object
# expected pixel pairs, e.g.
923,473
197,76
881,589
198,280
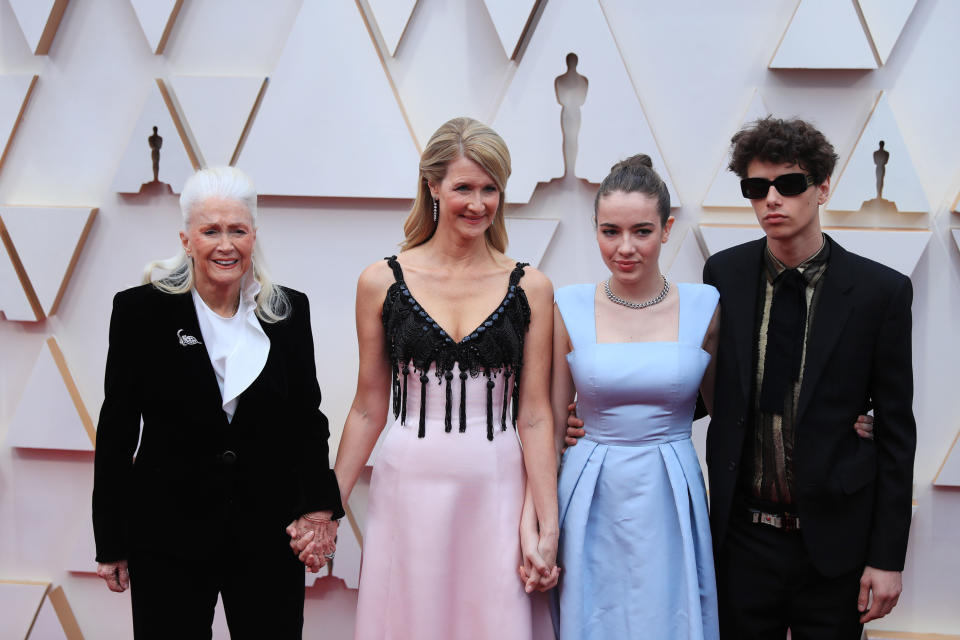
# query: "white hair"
232,184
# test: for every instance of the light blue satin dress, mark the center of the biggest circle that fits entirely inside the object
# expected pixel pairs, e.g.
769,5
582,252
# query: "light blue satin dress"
635,536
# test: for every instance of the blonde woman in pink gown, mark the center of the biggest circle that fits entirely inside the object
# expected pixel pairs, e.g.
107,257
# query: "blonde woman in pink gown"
462,529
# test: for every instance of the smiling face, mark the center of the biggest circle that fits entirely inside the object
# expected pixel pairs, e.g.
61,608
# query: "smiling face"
219,237
630,235
468,198
789,221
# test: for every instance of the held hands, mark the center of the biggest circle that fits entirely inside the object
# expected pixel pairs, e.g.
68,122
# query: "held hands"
313,537
116,575
885,587
863,426
539,570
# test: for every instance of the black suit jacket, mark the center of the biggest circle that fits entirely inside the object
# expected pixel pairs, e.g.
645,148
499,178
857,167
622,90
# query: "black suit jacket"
195,473
854,495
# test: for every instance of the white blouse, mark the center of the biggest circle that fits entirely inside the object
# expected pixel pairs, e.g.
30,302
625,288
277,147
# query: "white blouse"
238,346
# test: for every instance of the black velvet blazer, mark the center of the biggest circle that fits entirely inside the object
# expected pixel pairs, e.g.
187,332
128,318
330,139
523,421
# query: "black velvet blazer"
194,472
854,495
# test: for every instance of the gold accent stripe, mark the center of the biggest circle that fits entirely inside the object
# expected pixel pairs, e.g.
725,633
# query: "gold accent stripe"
72,388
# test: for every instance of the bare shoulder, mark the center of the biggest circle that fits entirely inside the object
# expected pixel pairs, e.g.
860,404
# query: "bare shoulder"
376,278
535,282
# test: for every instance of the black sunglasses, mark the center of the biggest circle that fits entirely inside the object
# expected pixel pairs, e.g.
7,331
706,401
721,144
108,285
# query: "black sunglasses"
789,184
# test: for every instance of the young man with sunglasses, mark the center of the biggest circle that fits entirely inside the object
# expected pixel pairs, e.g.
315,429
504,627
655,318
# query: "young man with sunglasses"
809,521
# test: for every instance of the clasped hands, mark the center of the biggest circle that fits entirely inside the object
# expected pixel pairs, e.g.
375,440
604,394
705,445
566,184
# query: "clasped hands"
313,537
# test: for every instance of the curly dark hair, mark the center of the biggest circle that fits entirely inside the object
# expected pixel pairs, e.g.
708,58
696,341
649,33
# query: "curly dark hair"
783,142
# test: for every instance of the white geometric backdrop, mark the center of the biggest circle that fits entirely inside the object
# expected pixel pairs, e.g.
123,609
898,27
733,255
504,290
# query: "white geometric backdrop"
354,90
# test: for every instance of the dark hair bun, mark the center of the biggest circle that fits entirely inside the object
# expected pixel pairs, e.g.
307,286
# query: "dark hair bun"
633,162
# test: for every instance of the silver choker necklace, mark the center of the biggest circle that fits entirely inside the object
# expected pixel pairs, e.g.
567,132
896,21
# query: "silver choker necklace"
637,305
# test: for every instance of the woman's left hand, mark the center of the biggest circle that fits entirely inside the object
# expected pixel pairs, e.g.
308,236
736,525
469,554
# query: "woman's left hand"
539,570
313,537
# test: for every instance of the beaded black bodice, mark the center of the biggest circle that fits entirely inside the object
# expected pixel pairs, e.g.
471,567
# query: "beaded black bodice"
415,341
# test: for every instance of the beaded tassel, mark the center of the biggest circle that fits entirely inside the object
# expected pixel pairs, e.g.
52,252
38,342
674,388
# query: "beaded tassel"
447,423
516,400
503,410
490,385
423,405
403,402
396,393
463,402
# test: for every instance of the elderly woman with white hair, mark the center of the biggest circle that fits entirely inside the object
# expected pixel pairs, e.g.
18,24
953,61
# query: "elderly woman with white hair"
217,362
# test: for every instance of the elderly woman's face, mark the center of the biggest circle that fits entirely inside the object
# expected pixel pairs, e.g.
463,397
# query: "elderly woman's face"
220,240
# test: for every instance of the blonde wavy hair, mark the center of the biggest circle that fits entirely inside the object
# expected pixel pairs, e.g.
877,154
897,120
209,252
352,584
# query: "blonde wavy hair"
232,184
466,138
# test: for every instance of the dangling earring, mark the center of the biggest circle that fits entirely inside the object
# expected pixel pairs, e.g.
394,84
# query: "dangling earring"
436,211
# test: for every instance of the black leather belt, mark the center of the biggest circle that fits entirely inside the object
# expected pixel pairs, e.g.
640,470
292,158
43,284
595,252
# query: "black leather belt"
784,521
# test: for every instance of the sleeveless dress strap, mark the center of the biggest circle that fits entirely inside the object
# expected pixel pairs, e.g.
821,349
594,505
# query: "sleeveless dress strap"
395,267
697,304
576,305
518,272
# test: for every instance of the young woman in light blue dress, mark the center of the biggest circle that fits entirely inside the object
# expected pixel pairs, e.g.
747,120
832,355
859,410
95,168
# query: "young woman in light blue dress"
635,350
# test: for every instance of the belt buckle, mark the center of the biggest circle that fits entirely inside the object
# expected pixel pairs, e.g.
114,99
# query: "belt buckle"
784,522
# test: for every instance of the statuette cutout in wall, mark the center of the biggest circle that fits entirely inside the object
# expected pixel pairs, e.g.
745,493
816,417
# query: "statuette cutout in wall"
157,137
331,82
15,92
512,19
613,124
51,414
156,19
874,166
42,246
39,21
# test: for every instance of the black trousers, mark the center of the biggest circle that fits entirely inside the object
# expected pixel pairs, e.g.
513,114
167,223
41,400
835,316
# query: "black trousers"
262,592
767,584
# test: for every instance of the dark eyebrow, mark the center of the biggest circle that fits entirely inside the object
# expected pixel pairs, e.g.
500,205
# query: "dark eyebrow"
636,226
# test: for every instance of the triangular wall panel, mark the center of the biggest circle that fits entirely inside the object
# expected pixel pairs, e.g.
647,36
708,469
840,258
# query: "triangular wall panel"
20,602
511,19
686,264
55,620
898,249
824,34
613,124
15,92
51,414
392,17
885,19
857,182
529,238
216,110
39,20
949,472
956,237
47,241
156,19
15,304
330,110
136,166
725,189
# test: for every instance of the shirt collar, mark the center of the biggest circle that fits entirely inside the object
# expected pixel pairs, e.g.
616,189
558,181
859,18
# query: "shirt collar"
810,268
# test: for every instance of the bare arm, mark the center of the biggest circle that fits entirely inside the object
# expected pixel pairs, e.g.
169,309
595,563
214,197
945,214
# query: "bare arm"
368,413
536,426
710,346
561,387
